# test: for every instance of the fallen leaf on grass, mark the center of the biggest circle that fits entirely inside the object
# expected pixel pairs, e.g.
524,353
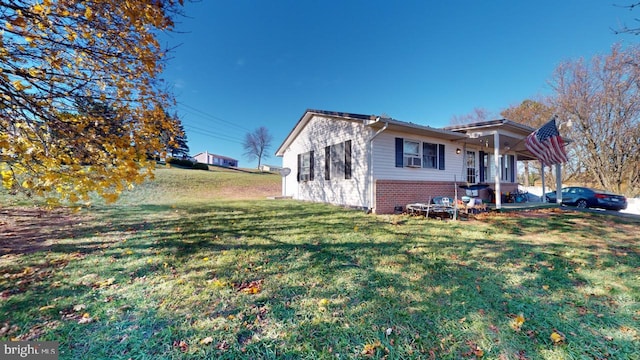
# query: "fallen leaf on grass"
104,283
182,345
79,307
217,283
85,319
46,307
557,337
252,287
474,350
370,349
222,345
7,329
516,324
206,341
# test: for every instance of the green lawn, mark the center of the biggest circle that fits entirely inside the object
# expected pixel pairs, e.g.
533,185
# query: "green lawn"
178,270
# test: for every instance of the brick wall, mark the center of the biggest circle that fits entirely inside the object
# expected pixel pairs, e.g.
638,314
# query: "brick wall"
392,193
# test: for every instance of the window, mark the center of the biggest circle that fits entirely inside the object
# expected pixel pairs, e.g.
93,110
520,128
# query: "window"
416,154
430,155
305,166
506,164
337,161
411,152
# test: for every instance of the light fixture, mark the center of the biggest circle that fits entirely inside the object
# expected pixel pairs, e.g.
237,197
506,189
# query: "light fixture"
458,151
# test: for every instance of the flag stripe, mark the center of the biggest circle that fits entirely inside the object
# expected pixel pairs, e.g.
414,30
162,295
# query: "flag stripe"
547,145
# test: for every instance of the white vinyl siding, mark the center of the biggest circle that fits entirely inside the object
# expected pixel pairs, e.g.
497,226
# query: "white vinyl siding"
346,181
384,160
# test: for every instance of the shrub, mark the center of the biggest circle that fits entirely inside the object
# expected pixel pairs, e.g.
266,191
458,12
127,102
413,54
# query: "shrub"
180,162
200,166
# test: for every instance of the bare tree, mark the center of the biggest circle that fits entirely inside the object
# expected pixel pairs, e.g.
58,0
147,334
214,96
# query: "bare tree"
256,144
602,98
625,29
478,114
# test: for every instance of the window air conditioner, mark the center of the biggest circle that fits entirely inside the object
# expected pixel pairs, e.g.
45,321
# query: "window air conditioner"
413,161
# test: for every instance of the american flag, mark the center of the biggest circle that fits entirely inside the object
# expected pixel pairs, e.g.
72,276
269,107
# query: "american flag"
547,144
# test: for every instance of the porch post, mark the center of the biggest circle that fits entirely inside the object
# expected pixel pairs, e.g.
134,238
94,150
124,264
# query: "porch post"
496,167
558,184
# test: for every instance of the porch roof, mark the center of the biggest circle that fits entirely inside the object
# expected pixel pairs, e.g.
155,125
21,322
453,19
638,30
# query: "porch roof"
511,135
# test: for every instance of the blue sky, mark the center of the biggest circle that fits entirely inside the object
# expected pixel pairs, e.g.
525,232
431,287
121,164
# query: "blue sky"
240,64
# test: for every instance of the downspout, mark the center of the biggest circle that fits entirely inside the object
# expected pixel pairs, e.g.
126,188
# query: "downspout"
370,162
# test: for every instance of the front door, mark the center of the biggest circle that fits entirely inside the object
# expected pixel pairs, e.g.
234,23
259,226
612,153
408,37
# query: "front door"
471,167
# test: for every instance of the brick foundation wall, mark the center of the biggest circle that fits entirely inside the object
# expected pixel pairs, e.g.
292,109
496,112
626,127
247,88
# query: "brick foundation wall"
392,193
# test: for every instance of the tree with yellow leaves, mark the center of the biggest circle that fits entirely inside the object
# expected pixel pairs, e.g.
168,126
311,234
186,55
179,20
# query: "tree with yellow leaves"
55,55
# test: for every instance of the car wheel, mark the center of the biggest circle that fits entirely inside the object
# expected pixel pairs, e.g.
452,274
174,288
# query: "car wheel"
581,203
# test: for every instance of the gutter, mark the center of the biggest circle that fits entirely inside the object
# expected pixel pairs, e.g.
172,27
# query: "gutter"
370,161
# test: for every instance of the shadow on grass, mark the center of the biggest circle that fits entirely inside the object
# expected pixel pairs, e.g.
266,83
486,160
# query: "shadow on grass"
326,281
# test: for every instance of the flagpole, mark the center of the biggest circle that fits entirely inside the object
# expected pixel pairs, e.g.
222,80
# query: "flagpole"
544,199
558,184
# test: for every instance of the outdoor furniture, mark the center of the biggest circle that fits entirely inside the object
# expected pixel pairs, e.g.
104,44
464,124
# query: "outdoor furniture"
471,205
439,208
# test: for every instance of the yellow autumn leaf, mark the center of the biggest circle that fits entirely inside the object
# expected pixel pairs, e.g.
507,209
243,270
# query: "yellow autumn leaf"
88,13
218,283
18,85
517,323
370,349
46,307
323,302
557,337
38,8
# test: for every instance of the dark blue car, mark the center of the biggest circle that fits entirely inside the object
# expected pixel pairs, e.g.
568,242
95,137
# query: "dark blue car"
584,197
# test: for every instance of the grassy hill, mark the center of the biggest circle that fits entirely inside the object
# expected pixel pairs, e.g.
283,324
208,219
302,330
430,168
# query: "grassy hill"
179,185
199,265
175,184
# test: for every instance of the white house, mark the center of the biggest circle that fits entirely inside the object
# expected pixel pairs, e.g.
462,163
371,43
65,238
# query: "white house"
272,168
378,163
213,159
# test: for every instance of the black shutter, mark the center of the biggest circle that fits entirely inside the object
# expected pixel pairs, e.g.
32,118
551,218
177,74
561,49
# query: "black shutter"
399,152
327,163
299,165
311,161
347,159
441,157
512,168
481,162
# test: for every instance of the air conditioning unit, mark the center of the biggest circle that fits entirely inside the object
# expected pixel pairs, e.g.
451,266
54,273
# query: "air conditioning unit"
413,161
